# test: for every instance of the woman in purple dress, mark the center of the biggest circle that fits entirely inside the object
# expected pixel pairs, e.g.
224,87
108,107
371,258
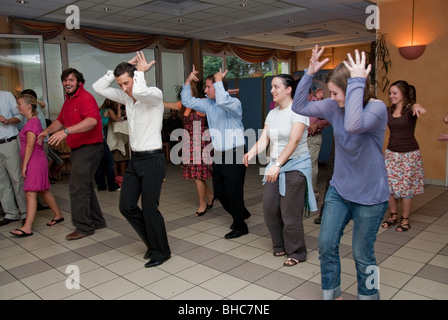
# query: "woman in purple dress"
34,167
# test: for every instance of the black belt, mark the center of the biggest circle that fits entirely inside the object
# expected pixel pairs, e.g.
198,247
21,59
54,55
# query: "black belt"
7,139
145,153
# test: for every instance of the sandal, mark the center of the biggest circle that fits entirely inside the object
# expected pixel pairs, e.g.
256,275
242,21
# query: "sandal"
279,254
387,223
403,226
290,262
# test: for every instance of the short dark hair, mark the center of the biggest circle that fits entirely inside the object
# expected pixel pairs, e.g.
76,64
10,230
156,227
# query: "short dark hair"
124,67
224,81
78,75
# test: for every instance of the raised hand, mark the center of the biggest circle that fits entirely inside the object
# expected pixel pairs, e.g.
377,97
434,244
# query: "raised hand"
140,62
358,68
220,75
315,64
192,76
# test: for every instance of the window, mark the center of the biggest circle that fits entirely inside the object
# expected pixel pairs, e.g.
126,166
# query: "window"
173,75
22,65
94,63
53,68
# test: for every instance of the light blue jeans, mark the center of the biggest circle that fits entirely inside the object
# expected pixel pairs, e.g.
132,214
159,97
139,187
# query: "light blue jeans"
366,221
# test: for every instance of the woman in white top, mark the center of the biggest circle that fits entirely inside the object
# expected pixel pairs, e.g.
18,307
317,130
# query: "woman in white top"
287,180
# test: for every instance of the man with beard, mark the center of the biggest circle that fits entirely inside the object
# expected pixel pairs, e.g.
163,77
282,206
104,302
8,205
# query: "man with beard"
79,122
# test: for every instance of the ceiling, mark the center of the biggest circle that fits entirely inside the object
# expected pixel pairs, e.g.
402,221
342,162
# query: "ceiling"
280,24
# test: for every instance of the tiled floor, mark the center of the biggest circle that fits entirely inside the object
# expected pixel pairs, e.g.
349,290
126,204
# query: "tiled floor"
413,265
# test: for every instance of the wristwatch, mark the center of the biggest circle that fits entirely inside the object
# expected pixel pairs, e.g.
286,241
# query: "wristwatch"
66,131
278,164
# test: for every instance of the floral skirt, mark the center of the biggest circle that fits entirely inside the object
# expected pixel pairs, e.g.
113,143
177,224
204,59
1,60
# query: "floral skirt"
405,173
197,172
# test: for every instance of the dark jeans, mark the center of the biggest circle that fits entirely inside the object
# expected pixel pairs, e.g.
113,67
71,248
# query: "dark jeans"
144,176
105,172
86,211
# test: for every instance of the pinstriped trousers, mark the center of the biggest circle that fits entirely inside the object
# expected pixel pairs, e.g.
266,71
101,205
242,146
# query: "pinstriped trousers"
144,176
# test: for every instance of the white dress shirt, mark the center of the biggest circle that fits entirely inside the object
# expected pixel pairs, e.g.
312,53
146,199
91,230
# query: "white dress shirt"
144,112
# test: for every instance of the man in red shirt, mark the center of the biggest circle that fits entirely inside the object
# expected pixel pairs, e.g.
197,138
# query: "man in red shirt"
79,122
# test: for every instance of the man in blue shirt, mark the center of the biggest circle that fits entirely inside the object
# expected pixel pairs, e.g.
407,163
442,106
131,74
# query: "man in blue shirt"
12,196
224,116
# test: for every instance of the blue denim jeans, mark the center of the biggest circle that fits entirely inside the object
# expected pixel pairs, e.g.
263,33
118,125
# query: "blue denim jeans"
366,221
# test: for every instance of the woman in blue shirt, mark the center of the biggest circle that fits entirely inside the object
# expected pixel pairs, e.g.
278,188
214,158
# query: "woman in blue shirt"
359,187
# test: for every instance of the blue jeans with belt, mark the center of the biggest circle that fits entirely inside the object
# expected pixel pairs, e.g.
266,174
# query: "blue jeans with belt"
366,221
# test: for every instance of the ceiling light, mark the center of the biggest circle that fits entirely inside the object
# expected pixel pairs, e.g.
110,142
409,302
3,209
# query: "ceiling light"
180,20
22,1
107,9
243,5
290,20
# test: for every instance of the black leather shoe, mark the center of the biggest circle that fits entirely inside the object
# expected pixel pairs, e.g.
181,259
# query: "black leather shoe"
236,234
154,263
6,221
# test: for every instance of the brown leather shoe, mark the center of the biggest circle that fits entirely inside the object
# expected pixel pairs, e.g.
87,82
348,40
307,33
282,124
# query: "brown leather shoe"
77,235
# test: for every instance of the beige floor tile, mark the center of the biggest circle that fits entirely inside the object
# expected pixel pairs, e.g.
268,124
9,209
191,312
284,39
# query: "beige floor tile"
17,260
406,295
201,238
255,293
303,270
198,274
145,276
439,261
125,266
402,265
96,277
427,288
140,294
108,257
197,293
414,254
83,295
222,245
224,285
433,236
44,279
13,290
169,287
114,289
425,245
393,278
182,233
50,251
57,291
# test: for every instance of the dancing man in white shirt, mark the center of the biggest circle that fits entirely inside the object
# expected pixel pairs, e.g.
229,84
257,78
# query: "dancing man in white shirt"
146,169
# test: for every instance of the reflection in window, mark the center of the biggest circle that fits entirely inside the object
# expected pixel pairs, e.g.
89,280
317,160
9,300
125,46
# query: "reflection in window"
21,65
53,69
173,75
94,63
239,69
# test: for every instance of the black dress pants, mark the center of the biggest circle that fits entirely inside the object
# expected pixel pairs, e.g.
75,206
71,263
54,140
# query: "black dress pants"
144,176
228,185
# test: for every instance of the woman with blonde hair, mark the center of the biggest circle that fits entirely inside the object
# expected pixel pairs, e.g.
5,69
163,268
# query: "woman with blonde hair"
34,167
358,189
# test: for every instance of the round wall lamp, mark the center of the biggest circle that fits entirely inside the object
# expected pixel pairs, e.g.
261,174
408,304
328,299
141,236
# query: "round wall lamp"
413,51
